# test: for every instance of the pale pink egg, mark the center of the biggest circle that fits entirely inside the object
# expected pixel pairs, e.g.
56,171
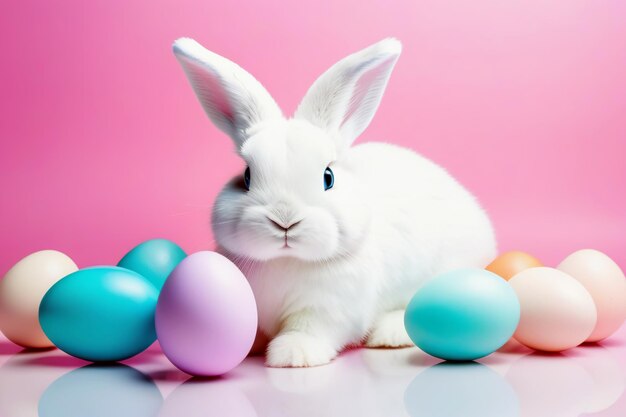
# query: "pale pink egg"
557,312
606,283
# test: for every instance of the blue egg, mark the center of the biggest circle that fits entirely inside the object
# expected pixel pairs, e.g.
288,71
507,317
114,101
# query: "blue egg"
154,259
462,315
104,313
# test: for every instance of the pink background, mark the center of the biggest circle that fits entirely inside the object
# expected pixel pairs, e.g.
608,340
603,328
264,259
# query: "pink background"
104,144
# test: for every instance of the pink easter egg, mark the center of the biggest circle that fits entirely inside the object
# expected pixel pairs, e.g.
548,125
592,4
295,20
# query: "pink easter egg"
557,312
605,281
206,316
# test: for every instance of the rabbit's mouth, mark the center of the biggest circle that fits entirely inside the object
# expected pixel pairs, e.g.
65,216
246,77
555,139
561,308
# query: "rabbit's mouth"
286,243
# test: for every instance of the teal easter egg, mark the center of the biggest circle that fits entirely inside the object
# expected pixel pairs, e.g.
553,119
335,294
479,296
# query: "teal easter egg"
462,315
104,313
154,259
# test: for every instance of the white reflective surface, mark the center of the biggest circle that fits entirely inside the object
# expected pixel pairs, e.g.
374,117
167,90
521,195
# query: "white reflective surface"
589,380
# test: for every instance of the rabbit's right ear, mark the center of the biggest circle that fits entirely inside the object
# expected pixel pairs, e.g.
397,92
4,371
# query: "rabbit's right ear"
230,96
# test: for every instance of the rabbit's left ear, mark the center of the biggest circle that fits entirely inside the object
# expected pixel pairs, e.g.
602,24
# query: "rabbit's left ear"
344,99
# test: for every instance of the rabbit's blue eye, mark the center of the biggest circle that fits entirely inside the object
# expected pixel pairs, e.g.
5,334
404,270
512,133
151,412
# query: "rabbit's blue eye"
246,178
329,179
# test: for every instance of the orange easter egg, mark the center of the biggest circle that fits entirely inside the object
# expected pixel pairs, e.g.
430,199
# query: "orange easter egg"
510,263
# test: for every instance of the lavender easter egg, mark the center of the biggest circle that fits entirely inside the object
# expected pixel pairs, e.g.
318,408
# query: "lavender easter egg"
206,316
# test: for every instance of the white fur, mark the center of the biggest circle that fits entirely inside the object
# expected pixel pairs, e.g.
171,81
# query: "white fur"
357,252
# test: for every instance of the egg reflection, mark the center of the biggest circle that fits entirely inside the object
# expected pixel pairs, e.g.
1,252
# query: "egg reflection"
460,389
200,397
548,385
101,390
584,380
606,377
22,382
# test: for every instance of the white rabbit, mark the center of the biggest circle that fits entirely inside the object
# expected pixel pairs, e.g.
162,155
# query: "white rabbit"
334,238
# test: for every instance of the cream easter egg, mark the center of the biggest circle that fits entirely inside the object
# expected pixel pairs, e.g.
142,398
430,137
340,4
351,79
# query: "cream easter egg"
606,283
557,312
21,291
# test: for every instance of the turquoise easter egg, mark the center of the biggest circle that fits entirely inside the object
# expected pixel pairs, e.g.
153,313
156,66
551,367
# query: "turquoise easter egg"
104,313
462,315
154,259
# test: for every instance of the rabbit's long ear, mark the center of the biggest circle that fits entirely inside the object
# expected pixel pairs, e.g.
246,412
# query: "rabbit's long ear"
231,97
344,99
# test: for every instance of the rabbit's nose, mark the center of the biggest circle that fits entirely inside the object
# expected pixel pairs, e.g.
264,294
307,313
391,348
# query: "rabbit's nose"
283,227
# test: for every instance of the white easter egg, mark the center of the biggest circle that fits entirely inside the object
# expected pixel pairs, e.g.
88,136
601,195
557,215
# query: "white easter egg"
557,312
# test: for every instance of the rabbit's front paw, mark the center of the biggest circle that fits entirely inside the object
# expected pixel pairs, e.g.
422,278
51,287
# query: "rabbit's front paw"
389,332
296,350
